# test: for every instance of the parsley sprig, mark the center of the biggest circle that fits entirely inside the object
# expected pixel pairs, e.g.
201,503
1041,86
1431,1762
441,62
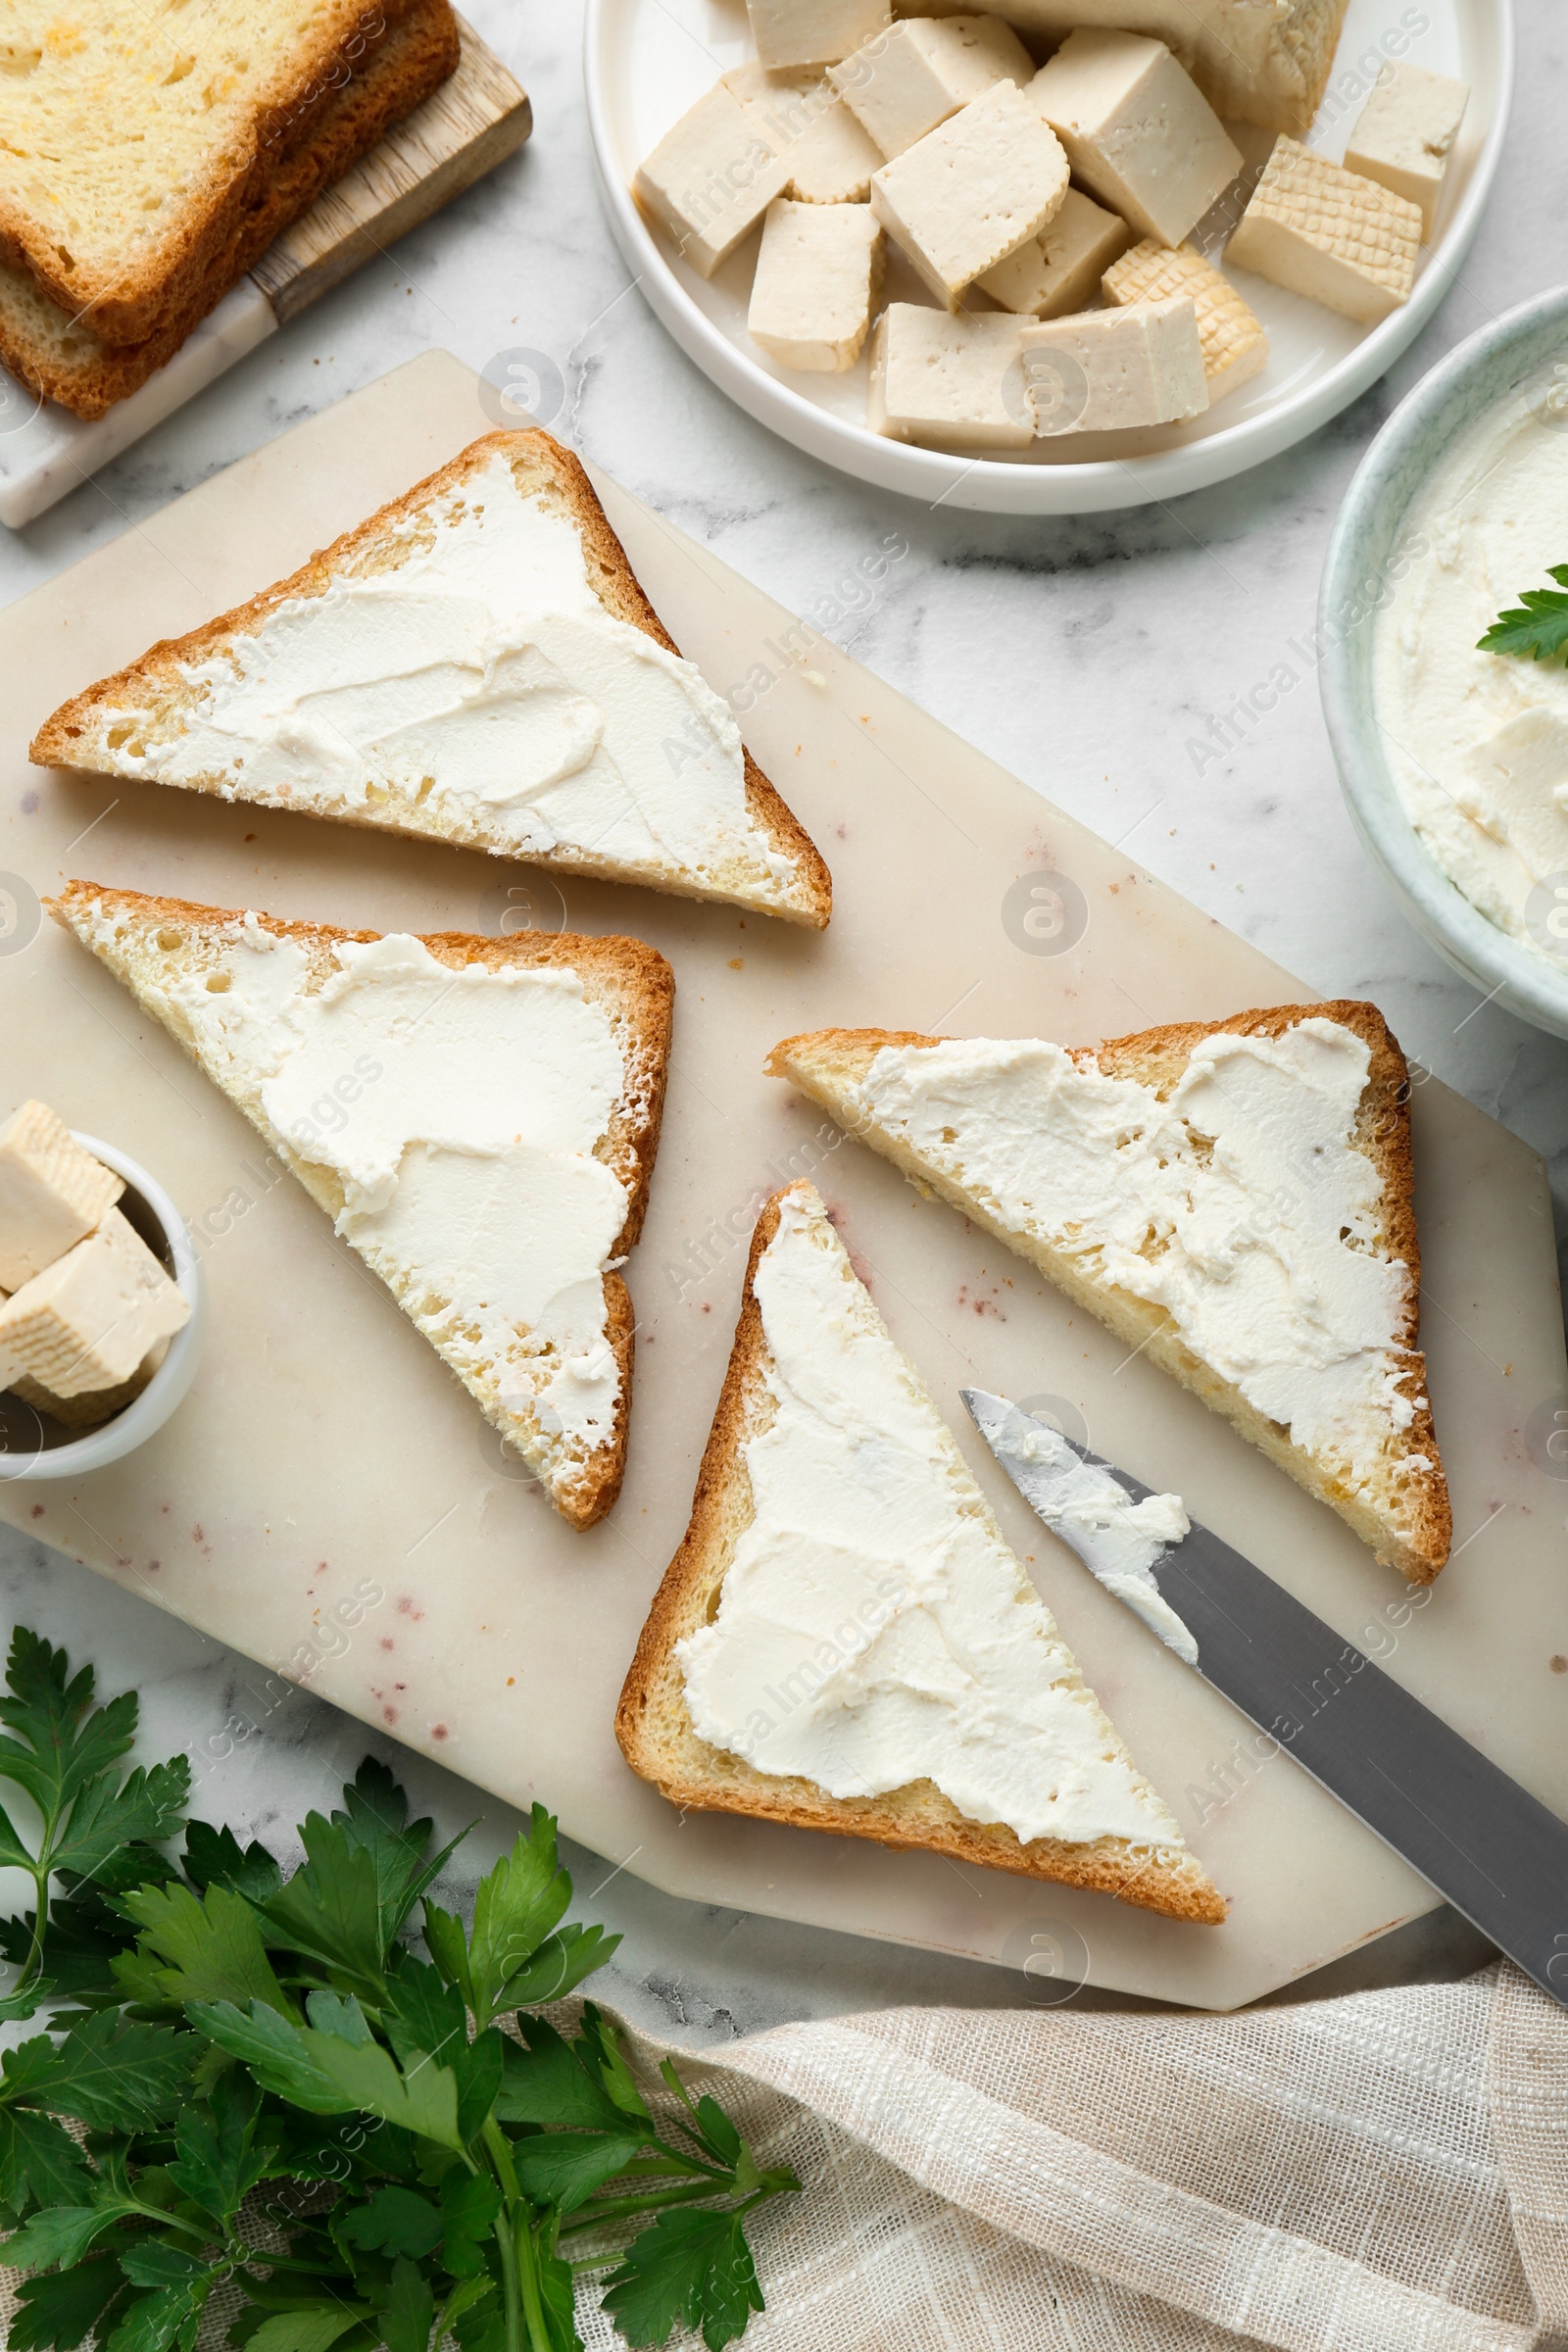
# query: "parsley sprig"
252,2086
1536,629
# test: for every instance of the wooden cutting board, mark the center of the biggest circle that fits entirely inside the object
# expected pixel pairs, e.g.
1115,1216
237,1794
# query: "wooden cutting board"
479,116
328,1500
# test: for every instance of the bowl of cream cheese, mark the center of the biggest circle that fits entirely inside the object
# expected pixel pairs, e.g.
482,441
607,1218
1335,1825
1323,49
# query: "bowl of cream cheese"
1453,755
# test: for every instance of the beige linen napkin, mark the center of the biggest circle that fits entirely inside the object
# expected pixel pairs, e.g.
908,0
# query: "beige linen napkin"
1384,2173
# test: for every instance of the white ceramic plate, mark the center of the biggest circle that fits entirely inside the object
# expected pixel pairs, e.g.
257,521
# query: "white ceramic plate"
646,62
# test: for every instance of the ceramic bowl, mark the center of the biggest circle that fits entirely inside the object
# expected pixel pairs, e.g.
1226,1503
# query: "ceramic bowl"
645,61
26,1449
1415,439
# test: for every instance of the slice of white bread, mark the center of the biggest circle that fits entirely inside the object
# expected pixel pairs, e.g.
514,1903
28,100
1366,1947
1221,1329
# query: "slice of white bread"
1399,1501
650,784
135,144
60,353
655,1723
160,948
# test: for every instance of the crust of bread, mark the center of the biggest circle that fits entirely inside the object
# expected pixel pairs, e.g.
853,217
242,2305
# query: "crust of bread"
636,987
73,736
654,1731
822,1063
133,299
62,355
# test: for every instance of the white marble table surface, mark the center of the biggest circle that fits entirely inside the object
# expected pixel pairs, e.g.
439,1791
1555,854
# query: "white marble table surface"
1088,656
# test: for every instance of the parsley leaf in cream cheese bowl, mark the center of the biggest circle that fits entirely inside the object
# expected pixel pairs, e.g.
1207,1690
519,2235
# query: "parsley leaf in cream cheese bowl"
1444,624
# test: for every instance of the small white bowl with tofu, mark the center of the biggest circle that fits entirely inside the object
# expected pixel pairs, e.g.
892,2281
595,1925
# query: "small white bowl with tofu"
1016,190
102,1303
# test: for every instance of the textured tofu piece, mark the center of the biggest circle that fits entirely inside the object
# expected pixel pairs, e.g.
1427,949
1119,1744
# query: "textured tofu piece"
1060,269
973,190
87,1321
1234,344
817,274
1256,61
906,82
814,33
1404,136
1319,231
93,1405
1108,370
1137,130
800,114
948,382
52,1193
711,179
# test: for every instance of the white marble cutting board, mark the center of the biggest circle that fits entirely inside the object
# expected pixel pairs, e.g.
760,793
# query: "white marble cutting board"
325,1457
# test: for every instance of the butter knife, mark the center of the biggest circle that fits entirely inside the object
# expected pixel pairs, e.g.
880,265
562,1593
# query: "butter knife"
1491,1849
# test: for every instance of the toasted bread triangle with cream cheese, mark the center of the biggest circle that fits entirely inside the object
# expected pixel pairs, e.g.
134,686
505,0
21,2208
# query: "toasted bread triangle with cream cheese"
476,664
1058,1750
1341,1194
486,1148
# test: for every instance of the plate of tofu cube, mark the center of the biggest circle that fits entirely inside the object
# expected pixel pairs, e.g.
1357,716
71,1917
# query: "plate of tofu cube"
1083,255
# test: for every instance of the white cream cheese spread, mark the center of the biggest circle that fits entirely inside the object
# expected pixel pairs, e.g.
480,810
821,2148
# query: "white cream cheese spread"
458,1111
1478,742
873,1629
1117,1540
478,687
1240,1204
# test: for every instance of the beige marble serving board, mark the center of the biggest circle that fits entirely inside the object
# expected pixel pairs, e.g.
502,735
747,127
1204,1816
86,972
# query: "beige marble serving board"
324,1455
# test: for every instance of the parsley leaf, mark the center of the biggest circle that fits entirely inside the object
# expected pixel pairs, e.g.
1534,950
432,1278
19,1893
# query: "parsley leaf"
55,2313
334,2065
395,2221
217,2159
691,2266
215,1858
547,2083
408,2310
1536,629
108,2070
330,1909
212,1948
38,2160
375,1819
63,1750
235,2025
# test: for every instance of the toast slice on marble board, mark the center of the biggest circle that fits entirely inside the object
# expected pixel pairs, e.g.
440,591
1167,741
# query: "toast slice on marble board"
785,1631
478,1116
1180,1225
476,663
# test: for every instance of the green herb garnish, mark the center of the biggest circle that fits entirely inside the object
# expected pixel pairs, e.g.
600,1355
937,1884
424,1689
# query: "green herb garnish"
1536,629
276,2101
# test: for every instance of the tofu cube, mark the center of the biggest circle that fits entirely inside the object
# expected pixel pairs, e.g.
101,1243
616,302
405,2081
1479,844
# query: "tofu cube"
814,33
948,382
87,1321
1139,132
93,1405
1319,231
1404,136
1060,269
970,192
52,1193
800,114
711,179
908,80
1234,344
817,275
1105,372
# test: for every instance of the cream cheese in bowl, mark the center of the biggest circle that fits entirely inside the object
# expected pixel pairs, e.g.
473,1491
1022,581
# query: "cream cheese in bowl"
1478,741
1455,760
